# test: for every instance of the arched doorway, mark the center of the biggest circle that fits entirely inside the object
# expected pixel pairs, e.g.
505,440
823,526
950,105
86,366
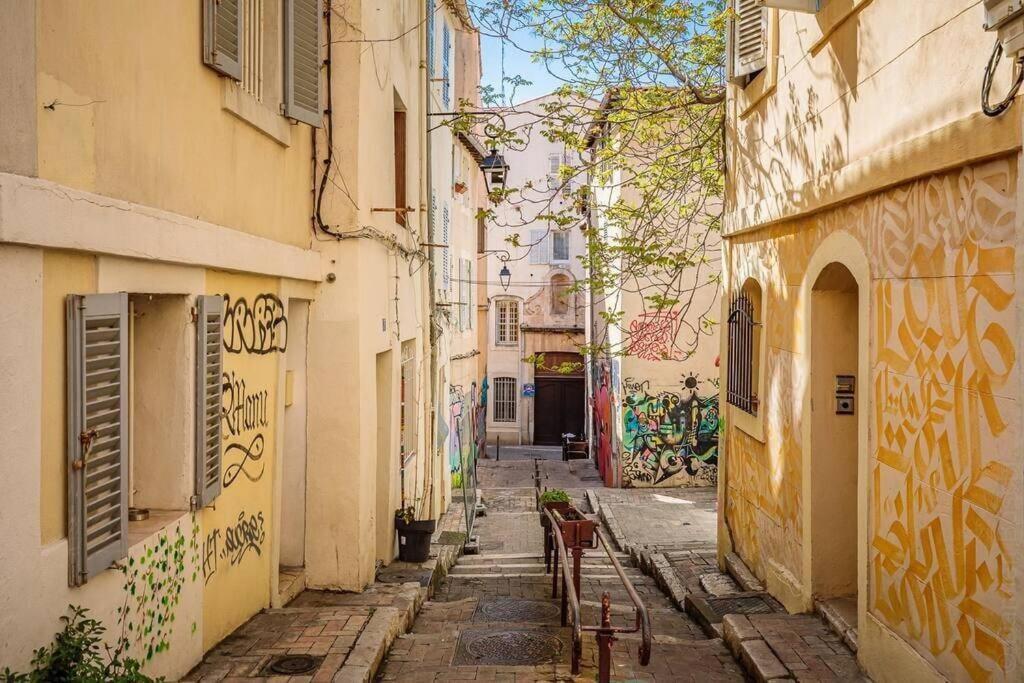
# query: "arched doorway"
834,446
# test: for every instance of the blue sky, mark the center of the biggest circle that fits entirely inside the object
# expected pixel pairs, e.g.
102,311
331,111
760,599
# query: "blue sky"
516,62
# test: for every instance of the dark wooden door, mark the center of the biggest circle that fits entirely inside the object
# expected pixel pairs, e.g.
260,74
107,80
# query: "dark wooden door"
558,408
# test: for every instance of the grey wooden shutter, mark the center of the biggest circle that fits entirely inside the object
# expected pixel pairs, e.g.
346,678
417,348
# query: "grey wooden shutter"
302,61
97,433
749,38
209,356
222,36
446,65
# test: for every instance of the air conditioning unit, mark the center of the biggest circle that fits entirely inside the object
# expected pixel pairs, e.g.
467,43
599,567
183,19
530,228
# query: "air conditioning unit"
1007,18
810,6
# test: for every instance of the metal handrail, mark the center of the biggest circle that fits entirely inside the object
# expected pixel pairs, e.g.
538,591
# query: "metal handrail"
642,617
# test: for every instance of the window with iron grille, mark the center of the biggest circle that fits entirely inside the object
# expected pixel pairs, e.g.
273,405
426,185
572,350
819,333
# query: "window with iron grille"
504,399
744,349
507,321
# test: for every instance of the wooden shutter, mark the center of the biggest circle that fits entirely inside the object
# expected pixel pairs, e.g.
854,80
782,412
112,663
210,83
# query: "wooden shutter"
209,356
446,262
97,433
222,36
431,27
538,247
749,38
302,61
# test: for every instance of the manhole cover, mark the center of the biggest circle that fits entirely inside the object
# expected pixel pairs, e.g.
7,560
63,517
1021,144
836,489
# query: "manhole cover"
508,648
291,665
404,576
511,609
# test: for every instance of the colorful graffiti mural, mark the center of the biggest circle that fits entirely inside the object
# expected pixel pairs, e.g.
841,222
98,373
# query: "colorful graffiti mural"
603,425
669,437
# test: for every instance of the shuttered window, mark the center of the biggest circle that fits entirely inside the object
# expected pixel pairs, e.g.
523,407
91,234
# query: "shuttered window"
222,36
469,294
446,65
748,38
504,399
302,61
446,262
559,245
506,322
538,247
97,421
209,357
431,28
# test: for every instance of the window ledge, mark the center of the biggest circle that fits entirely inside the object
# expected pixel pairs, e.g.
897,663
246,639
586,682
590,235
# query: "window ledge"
752,425
763,85
256,113
158,520
832,16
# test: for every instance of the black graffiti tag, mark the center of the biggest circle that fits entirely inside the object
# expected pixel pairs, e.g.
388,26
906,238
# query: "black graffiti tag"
251,454
259,329
247,534
242,411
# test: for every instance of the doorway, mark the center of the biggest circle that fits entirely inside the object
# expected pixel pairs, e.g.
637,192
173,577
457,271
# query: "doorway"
293,466
834,440
560,401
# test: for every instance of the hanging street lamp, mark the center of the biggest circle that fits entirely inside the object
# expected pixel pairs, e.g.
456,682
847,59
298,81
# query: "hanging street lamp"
505,276
495,170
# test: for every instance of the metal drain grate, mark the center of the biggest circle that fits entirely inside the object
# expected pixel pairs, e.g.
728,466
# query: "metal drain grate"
512,609
751,604
293,665
508,648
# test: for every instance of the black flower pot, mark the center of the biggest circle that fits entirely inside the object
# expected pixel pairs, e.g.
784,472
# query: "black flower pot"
414,539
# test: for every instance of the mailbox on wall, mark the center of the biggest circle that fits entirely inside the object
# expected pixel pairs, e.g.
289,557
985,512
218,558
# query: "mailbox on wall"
846,389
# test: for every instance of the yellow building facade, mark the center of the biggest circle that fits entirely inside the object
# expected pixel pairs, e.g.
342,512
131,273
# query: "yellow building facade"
871,236
202,246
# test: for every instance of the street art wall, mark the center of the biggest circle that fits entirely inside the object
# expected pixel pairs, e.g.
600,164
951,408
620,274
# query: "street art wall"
235,543
670,436
943,455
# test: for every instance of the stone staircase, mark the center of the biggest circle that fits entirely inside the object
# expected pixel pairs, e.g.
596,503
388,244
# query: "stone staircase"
493,619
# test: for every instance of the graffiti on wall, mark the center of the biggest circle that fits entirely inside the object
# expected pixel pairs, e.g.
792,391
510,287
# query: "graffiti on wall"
669,434
233,543
603,424
243,417
652,336
260,328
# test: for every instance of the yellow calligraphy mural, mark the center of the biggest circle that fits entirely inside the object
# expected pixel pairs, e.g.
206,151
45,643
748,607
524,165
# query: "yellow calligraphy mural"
942,428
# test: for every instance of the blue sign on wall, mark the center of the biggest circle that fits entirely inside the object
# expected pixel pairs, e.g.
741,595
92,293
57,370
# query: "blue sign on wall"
529,390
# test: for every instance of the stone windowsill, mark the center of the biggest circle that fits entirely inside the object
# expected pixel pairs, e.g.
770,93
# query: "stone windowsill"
256,113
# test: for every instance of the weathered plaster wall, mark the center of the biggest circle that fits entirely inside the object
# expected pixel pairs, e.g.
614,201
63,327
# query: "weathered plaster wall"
942,492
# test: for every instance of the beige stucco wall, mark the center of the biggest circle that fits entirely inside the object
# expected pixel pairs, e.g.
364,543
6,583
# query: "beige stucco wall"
920,202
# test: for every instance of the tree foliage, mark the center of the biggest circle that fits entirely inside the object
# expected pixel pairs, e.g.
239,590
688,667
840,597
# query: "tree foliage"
641,106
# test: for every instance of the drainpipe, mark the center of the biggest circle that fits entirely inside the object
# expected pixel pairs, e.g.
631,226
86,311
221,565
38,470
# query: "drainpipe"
428,488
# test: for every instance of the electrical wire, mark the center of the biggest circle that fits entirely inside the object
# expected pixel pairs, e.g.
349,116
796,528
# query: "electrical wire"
986,85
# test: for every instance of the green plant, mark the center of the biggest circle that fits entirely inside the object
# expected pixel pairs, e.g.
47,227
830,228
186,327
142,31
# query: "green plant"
79,654
555,496
406,514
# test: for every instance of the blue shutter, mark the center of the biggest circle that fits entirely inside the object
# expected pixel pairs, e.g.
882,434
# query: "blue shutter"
446,255
446,65
431,10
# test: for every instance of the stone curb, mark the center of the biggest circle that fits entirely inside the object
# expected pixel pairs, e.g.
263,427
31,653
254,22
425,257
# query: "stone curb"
752,651
665,576
739,571
608,517
380,632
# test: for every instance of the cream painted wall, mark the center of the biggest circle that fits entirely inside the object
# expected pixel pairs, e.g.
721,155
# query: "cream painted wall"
148,125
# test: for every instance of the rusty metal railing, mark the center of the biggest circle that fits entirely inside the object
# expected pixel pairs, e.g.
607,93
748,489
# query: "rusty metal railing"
605,632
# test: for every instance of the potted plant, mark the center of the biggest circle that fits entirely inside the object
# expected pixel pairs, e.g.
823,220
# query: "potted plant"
413,535
554,499
460,187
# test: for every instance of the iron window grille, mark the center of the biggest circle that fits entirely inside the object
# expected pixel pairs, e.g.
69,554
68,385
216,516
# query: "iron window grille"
742,384
504,399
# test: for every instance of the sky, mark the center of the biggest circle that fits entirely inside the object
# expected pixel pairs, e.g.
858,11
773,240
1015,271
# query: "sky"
516,62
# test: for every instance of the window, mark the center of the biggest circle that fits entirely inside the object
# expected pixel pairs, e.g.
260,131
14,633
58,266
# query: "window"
505,399
446,262
431,28
237,43
507,321
560,294
465,279
560,245
127,396
748,39
446,65
744,348
400,169
538,247
554,165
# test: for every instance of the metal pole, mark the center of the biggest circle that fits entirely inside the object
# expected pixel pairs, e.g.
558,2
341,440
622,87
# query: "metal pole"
497,450
605,640
554,576
577,555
